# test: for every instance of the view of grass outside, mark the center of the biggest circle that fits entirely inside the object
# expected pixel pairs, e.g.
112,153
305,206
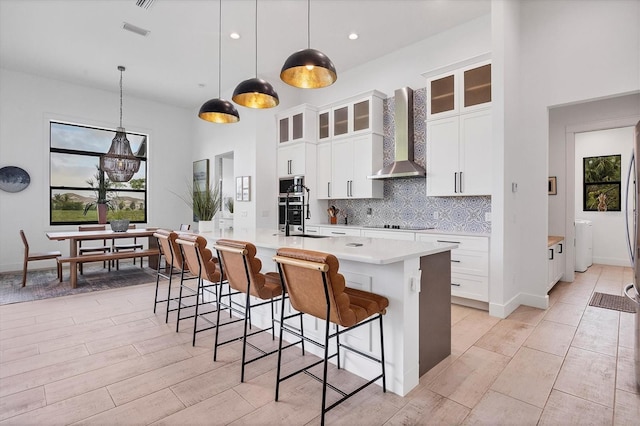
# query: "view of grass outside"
75,188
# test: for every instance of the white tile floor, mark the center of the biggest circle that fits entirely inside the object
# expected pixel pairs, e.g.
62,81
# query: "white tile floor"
105,358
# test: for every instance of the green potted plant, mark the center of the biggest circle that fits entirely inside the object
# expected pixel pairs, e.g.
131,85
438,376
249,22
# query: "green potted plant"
205,202
100,184
228,203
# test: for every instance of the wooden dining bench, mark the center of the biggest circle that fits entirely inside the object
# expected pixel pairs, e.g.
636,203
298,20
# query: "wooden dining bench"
73,261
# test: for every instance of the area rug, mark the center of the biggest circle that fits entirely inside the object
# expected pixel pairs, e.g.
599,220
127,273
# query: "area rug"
613,302
43,284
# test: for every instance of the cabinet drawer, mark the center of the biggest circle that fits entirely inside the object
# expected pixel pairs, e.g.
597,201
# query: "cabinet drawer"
464,242
391,235
470,262
470,286
340,232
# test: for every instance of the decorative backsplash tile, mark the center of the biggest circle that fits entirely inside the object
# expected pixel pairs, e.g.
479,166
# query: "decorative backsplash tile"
405,202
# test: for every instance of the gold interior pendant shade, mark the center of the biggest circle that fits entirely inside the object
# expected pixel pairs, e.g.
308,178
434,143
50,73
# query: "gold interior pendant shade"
308,68
119,163
255,92
218,110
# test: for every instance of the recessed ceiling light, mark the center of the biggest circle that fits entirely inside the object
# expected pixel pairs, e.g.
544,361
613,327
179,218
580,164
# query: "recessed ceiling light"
234,36
353,36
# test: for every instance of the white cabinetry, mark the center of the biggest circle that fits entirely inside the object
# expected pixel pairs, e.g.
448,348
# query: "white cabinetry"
556,263
360,114
292,158
297,124
460,90
353,159
337,231
469,264
459,156
324,170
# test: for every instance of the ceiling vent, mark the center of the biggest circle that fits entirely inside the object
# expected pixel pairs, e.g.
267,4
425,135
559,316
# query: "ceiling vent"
145,4
134,29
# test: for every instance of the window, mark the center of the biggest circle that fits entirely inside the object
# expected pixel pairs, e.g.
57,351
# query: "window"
602,183
74,158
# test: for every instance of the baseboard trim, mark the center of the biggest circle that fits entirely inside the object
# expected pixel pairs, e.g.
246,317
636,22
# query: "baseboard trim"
504,310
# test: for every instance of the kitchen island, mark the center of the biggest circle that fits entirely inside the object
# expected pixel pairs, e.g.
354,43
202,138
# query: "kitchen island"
414,276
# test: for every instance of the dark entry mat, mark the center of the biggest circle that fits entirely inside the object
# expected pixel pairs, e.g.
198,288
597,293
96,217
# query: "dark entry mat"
611,301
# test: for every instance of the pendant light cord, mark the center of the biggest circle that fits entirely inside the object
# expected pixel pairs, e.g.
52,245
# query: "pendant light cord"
219,46
308,24
121,68
256,30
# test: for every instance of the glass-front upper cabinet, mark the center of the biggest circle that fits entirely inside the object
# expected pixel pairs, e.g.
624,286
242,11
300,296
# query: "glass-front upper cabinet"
359,114
459,91
297,124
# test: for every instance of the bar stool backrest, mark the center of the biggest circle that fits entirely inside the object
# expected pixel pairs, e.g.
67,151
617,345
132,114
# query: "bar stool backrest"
232,254
305,275
169,247
198,258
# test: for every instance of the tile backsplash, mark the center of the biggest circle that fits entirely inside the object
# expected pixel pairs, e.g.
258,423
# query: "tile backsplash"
405,201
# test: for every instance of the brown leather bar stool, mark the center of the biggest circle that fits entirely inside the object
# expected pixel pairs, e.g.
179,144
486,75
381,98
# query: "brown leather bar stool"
173,265
241,268
315,288
104,248
201,266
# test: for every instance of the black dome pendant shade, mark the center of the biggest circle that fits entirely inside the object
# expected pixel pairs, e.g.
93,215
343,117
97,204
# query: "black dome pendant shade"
309,69
219,110
255,93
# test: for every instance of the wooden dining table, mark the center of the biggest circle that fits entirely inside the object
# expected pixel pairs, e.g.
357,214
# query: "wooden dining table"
75,236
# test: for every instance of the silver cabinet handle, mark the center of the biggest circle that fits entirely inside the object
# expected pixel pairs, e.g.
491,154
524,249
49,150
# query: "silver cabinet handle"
450,242
455,182
460,185
328,189
338,233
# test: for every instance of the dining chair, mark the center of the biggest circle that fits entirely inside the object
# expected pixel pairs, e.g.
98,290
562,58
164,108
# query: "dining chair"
241,268
28,257
135,245
105,248
316,288
173,265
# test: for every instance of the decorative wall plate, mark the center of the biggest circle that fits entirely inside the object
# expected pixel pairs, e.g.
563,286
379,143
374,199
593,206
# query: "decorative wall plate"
14,179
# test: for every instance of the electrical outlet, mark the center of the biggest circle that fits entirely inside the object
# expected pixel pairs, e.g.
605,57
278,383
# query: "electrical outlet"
369,211
487,217
435,215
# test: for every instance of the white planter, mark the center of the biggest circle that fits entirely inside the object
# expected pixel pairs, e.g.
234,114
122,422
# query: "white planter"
205,226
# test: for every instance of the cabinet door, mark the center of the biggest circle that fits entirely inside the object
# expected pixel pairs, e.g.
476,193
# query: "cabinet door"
551,253
342,158
367,160
476,90
297,126
362,115
283,130
442,157
291,160
442,99
475,153
341,120
323,171
324,125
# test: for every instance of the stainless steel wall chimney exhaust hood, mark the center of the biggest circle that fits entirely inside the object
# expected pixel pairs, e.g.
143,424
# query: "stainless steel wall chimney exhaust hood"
403,166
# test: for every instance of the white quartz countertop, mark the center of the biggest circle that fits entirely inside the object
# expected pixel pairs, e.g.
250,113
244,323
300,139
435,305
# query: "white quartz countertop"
359,249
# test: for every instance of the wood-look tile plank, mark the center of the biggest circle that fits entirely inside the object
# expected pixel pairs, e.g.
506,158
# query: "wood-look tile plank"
35,362
142,411
565,313
598,331
498,409
563,408
552,337
67,411
626,371
427,407
62,370
109,374
21,402
19,352
627,409
506,337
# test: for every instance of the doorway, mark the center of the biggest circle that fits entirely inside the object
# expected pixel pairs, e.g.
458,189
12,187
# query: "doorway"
224,177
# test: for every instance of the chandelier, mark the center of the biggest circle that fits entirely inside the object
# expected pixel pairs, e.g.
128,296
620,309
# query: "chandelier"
119,163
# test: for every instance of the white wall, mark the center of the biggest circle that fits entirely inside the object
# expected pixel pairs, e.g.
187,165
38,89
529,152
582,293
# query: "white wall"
569,52
609,235
26,105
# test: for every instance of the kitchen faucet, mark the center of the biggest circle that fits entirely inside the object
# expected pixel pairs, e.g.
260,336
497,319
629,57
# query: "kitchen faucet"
289,191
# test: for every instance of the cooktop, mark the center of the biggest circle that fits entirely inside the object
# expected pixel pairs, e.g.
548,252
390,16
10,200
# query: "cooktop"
406,227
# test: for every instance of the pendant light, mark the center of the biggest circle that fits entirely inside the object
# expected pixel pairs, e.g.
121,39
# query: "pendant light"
256,92
219,110
308,68
119,163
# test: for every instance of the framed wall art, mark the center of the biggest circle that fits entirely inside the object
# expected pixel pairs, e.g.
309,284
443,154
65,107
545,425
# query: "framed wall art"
243,188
